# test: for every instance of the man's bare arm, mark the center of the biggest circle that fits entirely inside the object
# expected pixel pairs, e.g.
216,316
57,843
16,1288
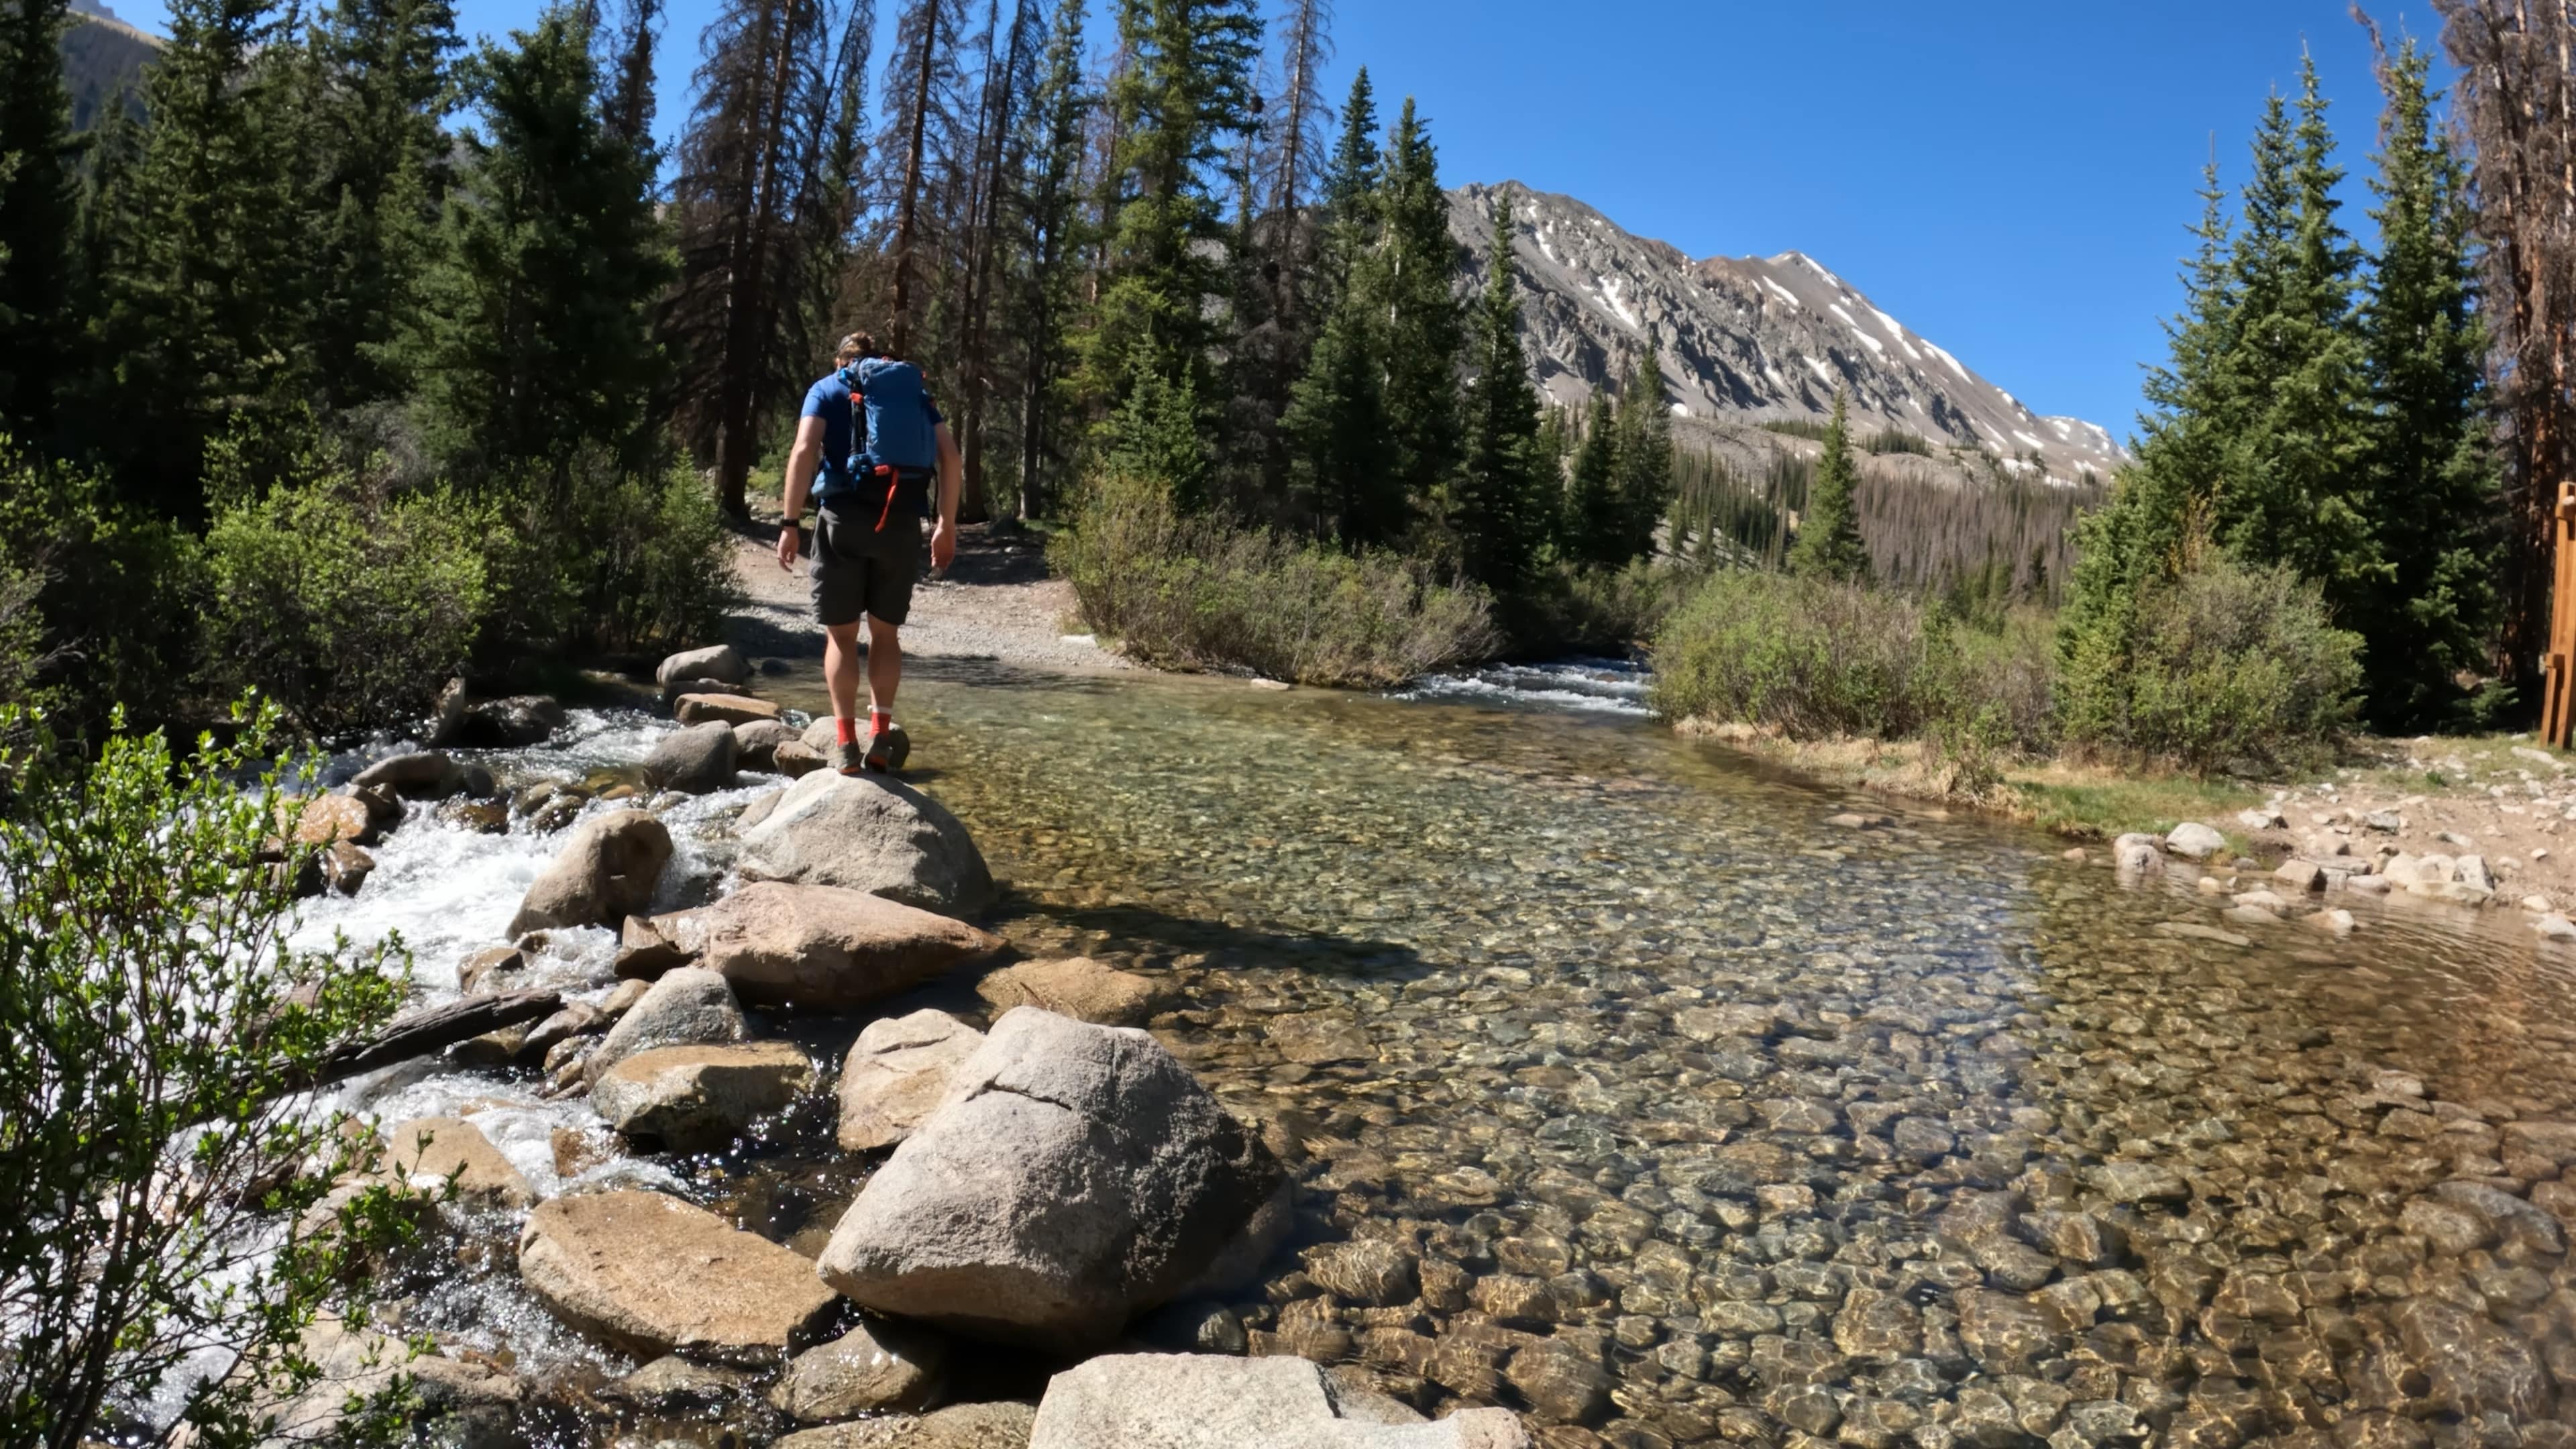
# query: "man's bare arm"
802,462
952,485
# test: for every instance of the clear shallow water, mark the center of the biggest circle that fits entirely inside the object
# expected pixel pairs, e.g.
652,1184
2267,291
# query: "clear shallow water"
1700,1119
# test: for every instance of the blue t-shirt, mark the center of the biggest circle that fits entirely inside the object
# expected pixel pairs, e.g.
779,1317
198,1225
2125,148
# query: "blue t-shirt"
829,399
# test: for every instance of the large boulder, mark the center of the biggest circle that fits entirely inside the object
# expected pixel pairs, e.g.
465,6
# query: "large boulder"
1075,986
427,775
329,819
698,760
756,742
652,1275
716,661
808,946
1074,1177
604,874
693,1098
897,1073
1203,1401
1003,1425
684,1008
869,833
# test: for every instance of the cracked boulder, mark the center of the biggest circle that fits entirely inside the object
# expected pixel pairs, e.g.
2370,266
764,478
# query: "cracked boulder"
1074,1177
650,1274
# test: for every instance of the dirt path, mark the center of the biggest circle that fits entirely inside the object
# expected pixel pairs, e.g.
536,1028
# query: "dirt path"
995,603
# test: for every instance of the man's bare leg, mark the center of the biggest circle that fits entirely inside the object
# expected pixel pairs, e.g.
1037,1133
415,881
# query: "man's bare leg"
885,665
841,679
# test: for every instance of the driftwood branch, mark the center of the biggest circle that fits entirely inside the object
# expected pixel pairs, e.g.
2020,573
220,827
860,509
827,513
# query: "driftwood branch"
436,1028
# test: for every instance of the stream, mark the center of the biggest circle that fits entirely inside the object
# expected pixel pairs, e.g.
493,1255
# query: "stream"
1778,1130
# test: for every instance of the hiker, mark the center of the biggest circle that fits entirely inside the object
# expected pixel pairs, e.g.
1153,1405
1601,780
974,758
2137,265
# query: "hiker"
870,430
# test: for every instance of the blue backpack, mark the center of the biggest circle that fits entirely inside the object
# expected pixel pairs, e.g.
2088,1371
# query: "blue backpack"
892,417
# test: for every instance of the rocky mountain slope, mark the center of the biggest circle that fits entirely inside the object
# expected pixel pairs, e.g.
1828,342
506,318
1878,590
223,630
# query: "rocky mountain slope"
102,57
1748,339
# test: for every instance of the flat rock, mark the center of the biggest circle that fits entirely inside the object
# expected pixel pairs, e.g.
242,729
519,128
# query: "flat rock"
687,1007
692,1098
821,948
726,709
698,760
1078,987
795,759
898,1072
1074,1177
716,661
606,872
1199,1401
674,1385
325,819
429,1152
959,1426
650,1274
875,1367
869,833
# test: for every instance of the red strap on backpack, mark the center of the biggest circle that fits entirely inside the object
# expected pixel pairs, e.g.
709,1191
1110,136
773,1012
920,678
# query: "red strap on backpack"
894,481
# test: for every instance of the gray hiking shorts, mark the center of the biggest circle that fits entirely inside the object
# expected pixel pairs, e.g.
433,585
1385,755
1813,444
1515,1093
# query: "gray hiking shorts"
859,568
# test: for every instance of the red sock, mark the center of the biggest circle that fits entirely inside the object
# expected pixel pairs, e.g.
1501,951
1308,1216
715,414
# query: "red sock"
845,729
878,719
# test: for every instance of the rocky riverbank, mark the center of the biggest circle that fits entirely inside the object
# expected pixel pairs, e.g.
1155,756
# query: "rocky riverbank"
1051,1185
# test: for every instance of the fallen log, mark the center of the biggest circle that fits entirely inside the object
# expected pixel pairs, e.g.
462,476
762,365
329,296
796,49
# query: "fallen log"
436,1028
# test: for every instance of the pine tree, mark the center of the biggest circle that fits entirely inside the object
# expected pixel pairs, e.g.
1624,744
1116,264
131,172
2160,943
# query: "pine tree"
380,90
203,235
1499,509
1183,95
1407,281
39,212
1645,486
1595,529
538,340
1349,189
2431,472
1829,544
2290,490
1336,432
925,153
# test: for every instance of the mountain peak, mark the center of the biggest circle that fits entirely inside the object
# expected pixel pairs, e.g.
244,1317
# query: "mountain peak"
1746,339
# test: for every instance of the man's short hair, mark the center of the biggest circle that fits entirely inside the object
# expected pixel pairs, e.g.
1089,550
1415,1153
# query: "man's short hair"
856,346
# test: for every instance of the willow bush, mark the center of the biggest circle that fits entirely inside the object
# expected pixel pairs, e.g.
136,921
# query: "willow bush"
1198,591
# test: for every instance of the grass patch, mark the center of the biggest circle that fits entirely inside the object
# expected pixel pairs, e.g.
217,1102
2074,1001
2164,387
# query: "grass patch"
2090,803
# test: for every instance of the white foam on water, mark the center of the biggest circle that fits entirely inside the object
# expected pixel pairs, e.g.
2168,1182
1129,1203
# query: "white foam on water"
1598,686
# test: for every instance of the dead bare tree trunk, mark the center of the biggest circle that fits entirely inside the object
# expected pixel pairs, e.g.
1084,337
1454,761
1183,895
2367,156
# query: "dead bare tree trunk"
908,212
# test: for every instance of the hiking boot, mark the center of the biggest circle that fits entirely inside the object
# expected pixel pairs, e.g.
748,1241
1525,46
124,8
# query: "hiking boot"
848,758
887,750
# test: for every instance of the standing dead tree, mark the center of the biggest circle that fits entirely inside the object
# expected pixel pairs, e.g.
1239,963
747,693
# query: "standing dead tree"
2516,103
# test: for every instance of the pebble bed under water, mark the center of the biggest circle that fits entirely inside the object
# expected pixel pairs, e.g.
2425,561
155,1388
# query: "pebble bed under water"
1628,1091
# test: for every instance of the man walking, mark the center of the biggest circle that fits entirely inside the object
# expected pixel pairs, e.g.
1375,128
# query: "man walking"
867,530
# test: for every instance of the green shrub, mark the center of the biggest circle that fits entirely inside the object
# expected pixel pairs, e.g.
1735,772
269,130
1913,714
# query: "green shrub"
2226,666
1817,658
155,1033
1565,608
611,560
347,606
97,599
1199,592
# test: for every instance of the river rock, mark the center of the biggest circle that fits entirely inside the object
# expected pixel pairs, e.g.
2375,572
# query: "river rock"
491,971
726,709
326,819
606,872
819,947
346,867
512,723
716,661
1075,986
959,1426
897,1073
795,759
427,775
2138,855
431,1152
756,742
687,1007
1199,1401
1074,1176
693,1098
2475,1366
1369,1272
694,761
651,1275
2194,841
672,1385
873,834
875,1367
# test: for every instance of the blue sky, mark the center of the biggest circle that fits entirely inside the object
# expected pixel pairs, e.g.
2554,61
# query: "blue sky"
2011,178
